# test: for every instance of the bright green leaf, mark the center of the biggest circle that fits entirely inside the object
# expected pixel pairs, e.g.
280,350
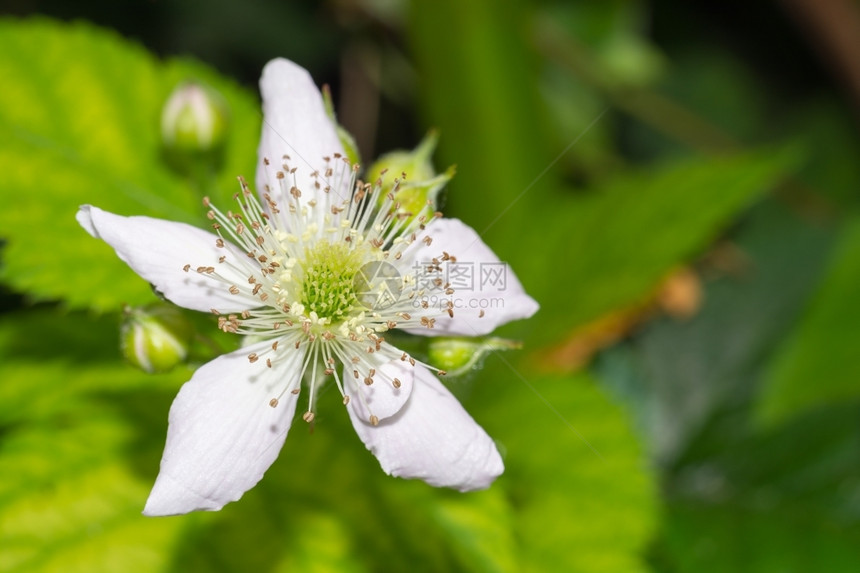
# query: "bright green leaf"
69,503
818,365
575,472
79,123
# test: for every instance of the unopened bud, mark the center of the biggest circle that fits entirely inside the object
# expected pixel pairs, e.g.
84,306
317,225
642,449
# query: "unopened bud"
456,356
156,337
194,125
418,193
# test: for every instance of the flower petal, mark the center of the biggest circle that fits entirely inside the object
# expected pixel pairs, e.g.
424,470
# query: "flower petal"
381,399
295,124
223,432
486,294
432,438
158,250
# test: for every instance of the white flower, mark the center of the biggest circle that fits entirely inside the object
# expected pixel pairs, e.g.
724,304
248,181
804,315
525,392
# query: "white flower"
307,273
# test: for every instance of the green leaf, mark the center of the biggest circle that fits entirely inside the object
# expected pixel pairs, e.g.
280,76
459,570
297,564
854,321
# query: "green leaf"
818,365
41,381
79,123
703,538
782,500
70,502
575,472
610,248
677,375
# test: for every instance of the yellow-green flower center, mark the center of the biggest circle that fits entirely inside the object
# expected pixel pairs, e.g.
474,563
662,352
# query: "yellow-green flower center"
328,285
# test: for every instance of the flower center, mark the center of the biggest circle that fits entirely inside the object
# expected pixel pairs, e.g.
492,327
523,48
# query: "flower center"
328,285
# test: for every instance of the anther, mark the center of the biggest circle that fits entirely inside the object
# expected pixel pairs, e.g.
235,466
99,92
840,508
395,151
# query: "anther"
396,382
273,402
308,417
374,421
252,357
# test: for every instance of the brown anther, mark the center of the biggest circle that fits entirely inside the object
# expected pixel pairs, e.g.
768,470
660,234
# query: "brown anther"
294,391
206,201
441,372
252,357
396,382
273,402
275,345
328,371
269,362
481,314
345,400
219,243
222,258
374,421
246,314
234,289
451,313
264,297
257,288
355,373
214,311
308,417
368,380
186,268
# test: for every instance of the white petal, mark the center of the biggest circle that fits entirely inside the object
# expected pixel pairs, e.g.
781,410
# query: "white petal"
158,250
380,399
295,124
223,432
486,294
434,439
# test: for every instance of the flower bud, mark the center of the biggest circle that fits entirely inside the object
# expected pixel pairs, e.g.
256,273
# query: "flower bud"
156,337
194,125
456,356
417,193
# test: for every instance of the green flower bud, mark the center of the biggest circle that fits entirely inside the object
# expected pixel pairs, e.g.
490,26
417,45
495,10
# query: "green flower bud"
194,125
417,193
456,356
156,337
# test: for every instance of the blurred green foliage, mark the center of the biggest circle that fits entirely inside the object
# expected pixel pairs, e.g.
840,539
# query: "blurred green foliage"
594,161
